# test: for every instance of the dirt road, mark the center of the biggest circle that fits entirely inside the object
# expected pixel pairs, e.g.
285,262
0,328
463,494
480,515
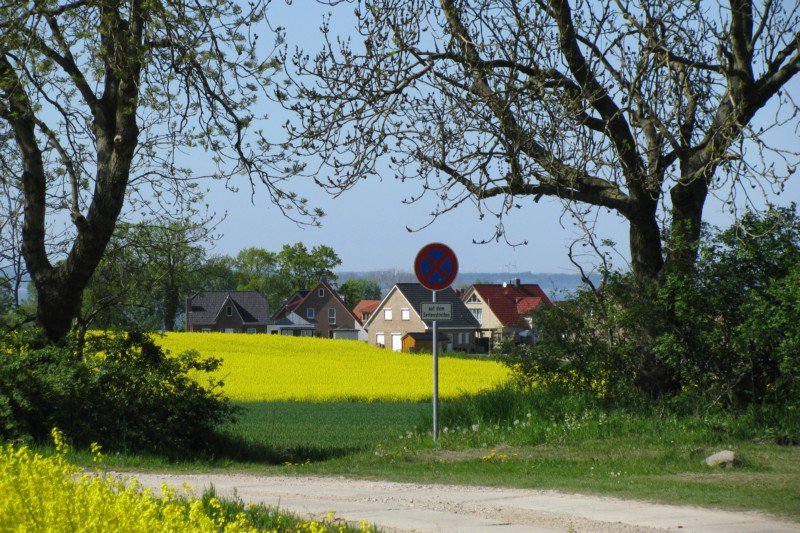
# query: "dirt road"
413,507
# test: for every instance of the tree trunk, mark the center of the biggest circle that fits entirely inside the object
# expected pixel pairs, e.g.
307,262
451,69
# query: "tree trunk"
645,239
170,306
688,199
58,304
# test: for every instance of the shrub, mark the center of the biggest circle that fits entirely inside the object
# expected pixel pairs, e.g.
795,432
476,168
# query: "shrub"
723,337
121,390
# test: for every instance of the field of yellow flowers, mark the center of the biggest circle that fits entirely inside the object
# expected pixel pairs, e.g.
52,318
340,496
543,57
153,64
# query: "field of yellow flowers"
261,368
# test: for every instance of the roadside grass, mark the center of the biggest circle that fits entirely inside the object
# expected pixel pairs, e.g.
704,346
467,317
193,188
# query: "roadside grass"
513,438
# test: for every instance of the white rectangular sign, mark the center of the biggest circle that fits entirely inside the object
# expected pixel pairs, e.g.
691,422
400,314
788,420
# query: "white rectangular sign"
436,311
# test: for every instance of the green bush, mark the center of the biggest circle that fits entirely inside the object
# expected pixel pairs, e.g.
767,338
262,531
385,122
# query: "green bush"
121,390
723,337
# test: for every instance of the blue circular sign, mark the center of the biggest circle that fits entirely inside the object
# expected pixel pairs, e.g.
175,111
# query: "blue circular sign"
436,266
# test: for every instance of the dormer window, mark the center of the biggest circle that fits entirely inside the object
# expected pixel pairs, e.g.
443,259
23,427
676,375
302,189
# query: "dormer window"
321,292
229,311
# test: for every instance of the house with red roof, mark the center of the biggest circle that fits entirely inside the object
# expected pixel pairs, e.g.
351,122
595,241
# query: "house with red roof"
505,311
364,309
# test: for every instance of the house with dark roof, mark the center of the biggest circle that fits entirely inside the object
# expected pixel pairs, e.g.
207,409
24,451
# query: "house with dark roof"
227,311
364,309
396,321
324,310
285,321
506,310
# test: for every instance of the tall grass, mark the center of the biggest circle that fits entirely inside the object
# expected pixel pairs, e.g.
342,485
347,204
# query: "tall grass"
521,415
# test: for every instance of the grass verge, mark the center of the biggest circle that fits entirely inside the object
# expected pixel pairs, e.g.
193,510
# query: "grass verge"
515,438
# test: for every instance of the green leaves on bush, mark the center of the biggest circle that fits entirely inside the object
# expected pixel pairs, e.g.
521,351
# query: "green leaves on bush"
120,390
725,336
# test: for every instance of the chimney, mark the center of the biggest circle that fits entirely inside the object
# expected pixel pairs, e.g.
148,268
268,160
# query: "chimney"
516,282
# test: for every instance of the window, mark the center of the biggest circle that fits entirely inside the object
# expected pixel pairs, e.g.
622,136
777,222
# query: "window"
331,316
321,292
230,330
380,340
251,330
478,313
206,330
405,314
229,311
310,312
473,299
387,314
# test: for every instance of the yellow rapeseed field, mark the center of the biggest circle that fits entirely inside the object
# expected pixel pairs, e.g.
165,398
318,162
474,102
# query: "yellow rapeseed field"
279,368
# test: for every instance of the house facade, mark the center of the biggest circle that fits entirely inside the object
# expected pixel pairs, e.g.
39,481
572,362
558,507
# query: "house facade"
505,311
324,309
228,312
398,315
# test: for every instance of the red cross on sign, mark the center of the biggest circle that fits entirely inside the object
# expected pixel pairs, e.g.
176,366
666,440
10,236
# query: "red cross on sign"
436,266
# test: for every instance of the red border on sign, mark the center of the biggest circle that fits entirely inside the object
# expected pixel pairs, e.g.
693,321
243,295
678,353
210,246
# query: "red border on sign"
448,253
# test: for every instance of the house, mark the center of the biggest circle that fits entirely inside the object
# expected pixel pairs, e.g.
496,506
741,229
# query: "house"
364,309
324,310
397,318
227,311
505,311
286,321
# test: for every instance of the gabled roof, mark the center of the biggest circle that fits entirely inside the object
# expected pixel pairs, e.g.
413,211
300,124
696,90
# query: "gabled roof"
205,307
290,304
510,302
365,306
297,299
415,294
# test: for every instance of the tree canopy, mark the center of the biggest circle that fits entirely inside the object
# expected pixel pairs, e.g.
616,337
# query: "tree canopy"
103,100
638,107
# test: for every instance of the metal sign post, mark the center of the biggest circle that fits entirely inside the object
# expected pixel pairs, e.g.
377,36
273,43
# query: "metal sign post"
436,267
435,380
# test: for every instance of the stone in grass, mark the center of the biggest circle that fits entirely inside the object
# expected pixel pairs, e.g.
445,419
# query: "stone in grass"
724,458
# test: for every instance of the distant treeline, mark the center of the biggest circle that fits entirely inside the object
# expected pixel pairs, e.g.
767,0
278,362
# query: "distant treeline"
557,286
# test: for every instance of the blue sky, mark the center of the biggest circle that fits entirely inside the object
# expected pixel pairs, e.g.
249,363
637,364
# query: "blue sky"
367,225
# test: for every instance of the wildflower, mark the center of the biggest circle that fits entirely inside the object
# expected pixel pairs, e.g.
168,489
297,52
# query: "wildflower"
474,427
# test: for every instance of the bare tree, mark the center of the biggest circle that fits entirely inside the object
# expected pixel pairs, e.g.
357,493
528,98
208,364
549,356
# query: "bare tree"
106,101
638,107
12,265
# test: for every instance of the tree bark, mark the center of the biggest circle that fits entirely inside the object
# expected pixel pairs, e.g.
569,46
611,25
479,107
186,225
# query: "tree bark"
645,239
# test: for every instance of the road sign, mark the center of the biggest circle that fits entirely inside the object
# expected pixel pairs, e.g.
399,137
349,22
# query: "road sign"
436,311
436,266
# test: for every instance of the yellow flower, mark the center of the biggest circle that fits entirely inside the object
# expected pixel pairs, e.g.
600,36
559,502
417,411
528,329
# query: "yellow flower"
281,368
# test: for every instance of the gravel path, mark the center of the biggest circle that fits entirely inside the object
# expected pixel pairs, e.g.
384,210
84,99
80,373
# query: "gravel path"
413,507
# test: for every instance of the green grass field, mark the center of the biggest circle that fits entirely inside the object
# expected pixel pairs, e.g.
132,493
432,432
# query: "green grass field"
506,437
299,432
